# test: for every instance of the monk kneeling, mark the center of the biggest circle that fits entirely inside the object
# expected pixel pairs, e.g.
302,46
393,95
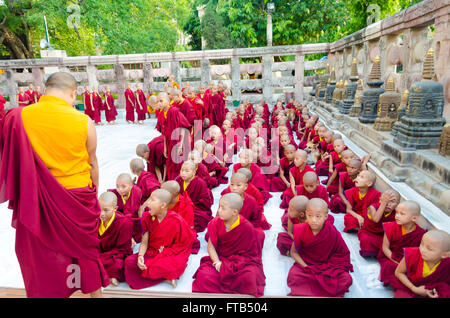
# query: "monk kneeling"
322,259
234,263
165,247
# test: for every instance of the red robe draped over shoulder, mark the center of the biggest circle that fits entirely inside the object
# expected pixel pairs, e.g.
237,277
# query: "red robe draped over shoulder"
169,247
142,101
148,183
352,195
56,228
239,251
130,102
328,260
110,113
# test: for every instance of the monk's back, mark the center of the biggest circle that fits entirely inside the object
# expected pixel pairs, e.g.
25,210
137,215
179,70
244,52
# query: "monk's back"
58,134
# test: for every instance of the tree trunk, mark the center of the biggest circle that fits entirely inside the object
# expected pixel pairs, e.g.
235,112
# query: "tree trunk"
14,44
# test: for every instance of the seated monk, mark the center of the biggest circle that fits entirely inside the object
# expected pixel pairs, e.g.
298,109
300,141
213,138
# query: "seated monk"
258,178
215,170
333,180
295,177
281,183
371,234
322,259
338,202
311,187
361,195
182,205
403,232
154,157
424,271
128,203
234,264
198,192
165,247
146,181
202,171
115,238
323,165
295,214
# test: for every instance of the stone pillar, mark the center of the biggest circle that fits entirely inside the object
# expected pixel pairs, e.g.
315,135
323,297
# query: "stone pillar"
269,29
175,69
38,77
267,75
441,44
299,76
236,77
91,71
119,70
205,71
148,78
12,88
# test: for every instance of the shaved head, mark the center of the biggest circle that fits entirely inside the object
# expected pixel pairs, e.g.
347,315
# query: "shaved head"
319,204
125,177
309,177
412,207
141,149
61,81
290,147
137,165
298,203
163,196
355,163
247,172
153,100
440,237
347,152
234,200
239,177
172,186
190,163
337,136
301,153
108,198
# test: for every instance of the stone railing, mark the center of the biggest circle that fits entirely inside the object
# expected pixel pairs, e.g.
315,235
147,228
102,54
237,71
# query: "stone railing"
271,78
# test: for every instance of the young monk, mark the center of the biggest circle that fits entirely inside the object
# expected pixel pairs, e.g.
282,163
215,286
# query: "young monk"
98,105
22,98
128,203
202,170
281,183
130,103
141,104
111,111
322,259
165,248
399,234
215,170
184,206
88,107
198,192
296,213
371,234
424,271
333,180
295,176
338,202
258,178
361,195
233,264
323,165
311,187
115,238
184,106
146,181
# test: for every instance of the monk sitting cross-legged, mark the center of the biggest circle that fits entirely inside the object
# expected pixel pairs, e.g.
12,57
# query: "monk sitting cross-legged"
234,262
115,238
322,259
146,181
165,247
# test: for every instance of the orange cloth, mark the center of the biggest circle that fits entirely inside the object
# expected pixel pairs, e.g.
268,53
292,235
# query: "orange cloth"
58,134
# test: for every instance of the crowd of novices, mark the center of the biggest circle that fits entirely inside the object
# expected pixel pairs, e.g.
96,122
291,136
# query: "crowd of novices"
164,203
168,203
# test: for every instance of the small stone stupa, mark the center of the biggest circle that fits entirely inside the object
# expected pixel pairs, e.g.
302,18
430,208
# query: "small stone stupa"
371,95
337,93
330,86
355,111
388,108
421,126
323,84
350,89
401,112
444,143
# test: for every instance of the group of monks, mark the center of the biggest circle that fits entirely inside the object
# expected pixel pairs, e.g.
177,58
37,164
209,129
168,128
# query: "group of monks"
29,97
284,150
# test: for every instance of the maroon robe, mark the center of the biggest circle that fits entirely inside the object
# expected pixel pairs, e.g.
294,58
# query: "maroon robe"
24,100
203,173
148,183
212,165
110,113
239,251
207,113
185,207
56,228
130,102
187,110
259,180
352,195
198,108
320,192
328,260
397,243
371,234
217,110
333,188
142,101
278,185
175,236
130,209
97,102
156,157
202,198
88,105
115,246
439,279
168,125
2,106
337,205
287,195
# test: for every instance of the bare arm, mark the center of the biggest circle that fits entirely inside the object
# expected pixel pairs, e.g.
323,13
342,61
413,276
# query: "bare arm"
91,145
284,178
290,227
142,251
296,256
332,177
386,250
291,178
212,252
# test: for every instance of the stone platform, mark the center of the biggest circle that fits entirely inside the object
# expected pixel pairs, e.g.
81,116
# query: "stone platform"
425,171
